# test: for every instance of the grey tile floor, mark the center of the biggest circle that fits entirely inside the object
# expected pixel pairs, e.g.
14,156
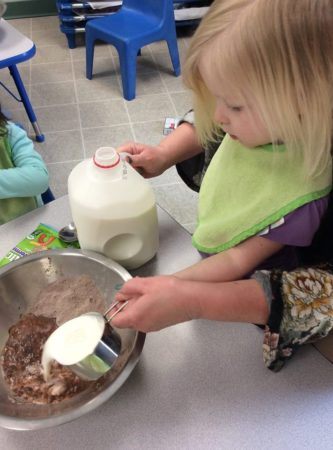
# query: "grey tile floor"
78,115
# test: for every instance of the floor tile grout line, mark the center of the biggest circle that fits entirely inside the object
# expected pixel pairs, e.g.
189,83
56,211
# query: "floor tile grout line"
130,122
118,76
65,81
134,122
101,126
119,98
30,25
43,63
64,162
78,108
167,94
165,86
121,124
90,128
161,185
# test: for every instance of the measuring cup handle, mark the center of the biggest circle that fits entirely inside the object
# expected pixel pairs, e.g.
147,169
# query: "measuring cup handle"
114,305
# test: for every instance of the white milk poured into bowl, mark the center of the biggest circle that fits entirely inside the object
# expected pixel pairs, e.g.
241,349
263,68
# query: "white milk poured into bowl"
73,341
114,209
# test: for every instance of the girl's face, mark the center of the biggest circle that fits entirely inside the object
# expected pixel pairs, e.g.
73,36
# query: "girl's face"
241,121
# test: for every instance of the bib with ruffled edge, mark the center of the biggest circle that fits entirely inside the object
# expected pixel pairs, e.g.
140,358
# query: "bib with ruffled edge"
247,189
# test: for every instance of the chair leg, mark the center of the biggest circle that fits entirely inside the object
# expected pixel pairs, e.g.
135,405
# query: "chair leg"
127,60
47,196
90,48
174,55
71,40
26,102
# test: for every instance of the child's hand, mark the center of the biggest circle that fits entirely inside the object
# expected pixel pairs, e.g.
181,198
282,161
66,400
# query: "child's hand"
147,160
154,304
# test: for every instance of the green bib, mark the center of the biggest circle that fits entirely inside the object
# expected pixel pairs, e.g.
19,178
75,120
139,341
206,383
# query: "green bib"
247,189
10,208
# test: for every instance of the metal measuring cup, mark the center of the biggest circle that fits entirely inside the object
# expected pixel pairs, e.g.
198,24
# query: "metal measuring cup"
106,351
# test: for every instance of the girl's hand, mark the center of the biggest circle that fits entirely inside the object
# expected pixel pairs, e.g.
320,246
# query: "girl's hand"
154,303
147,160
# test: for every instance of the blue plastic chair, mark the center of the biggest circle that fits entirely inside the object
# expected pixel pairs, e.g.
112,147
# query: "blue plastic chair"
138,23
16,48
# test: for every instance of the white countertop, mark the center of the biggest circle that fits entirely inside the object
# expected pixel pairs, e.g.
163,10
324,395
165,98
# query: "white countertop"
198,385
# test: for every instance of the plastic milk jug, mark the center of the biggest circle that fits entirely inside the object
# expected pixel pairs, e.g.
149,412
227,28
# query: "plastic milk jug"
114,209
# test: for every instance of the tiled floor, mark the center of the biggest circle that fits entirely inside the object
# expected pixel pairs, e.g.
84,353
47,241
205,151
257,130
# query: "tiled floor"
78,115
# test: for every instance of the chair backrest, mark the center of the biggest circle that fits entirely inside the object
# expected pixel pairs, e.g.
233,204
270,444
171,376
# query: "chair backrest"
158,8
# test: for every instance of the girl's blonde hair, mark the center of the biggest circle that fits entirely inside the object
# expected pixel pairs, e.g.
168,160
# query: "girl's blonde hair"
277,54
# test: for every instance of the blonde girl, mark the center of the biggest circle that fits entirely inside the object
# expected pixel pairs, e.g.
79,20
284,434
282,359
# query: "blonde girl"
261,73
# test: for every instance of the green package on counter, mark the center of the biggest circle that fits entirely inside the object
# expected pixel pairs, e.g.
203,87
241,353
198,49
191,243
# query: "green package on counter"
44,237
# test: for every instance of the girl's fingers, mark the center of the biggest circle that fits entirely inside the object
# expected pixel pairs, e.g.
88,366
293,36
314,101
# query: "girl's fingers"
119,297
133,287
119,321
133,148
129,147
136,160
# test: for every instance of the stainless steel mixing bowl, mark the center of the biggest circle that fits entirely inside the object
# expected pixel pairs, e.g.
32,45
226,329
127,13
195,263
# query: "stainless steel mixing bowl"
20,283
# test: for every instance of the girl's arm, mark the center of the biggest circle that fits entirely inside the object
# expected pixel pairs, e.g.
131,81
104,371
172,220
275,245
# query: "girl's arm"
159,302
206,290
152,161
232,264
181,144
29,177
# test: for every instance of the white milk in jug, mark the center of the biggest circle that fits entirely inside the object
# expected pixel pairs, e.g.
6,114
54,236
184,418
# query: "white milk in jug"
114,209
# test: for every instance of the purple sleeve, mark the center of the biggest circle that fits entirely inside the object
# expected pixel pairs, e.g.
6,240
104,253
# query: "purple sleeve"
299,226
